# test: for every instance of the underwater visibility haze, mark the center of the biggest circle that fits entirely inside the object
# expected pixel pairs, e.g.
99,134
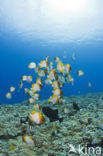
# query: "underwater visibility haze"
51,63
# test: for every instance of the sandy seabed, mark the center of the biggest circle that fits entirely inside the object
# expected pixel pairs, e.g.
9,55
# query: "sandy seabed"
53,138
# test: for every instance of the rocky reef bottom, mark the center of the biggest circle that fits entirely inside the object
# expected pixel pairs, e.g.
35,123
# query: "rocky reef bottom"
73,136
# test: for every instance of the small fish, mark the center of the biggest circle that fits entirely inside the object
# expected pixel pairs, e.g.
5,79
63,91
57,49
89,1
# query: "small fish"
8,95
41,73
60,67
58,92
26,90
61,100
32,65
36,96
47,58
51,114
51,65
24,78
36,87
80,73
85,120
37,69
57,59
28,140
54,99
39,81
76,107
31,92
43,64
20,84
73,56
61,80
89,84
29,79
55,84
31,100
36,117
70,79
66,110
95,141
48,81
12,89
67,68
52,74
64,56
36,106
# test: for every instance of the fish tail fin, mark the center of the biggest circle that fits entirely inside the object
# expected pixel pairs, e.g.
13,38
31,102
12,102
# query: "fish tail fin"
60,119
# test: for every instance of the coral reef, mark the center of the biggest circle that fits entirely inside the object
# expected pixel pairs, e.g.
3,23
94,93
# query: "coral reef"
51,138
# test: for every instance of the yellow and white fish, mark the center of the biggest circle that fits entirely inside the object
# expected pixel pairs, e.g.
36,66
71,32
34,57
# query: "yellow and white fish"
31,92
47,58
28,140
39,81
24,78
36,117
29,79
37,69
48,81
42,73
66,110
80,73
51,65
31,100
70,79
57,92
61,100
95,141
8,95
36,106
43,64
57,59
61,78
32,65
60,67
36,96
12,89
36,87
54,99
55,84
26,90
52,74
68,68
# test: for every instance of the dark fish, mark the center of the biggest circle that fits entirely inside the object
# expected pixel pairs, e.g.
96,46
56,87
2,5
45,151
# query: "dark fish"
75,106
51,114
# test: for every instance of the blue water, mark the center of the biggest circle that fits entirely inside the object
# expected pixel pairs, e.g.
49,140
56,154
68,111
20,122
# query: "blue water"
19,48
